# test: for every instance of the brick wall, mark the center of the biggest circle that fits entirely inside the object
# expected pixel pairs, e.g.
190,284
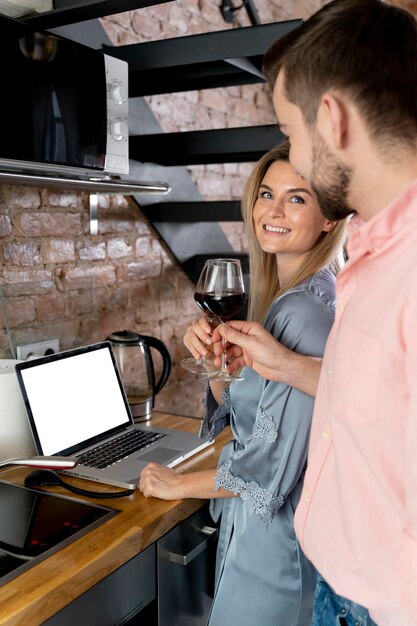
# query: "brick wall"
59,281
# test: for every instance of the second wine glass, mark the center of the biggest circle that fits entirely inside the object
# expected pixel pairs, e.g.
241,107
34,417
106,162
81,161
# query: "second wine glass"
200,366
224,295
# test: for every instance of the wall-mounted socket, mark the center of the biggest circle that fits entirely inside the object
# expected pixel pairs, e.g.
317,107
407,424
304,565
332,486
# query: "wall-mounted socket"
34,350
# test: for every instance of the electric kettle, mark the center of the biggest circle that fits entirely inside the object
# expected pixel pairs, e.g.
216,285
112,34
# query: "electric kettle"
136,368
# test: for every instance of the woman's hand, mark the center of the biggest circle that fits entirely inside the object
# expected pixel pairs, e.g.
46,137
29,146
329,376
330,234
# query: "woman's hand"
198,339
164,483
160,482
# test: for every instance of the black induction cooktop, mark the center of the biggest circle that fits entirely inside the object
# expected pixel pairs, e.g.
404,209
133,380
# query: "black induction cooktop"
34,525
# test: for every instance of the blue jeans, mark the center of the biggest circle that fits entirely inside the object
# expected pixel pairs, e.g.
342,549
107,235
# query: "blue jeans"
333,610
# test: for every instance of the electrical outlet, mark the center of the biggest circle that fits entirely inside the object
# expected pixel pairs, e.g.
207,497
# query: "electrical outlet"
42,348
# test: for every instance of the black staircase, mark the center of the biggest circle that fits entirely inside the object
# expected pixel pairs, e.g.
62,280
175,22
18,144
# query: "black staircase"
208,61
217,59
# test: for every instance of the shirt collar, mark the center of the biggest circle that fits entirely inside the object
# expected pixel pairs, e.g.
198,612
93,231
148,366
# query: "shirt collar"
367,236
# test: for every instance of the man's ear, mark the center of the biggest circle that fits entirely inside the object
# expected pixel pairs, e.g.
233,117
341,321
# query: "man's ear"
332,120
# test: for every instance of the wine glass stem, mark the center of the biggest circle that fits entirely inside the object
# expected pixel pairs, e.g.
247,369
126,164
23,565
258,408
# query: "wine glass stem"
224,364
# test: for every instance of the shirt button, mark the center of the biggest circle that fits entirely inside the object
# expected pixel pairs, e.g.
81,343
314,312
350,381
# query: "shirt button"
306,495
327,433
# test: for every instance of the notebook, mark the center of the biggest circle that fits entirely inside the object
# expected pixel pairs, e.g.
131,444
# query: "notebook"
75,402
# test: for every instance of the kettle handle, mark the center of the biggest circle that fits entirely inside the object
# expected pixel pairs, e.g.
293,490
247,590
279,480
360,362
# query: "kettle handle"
153,342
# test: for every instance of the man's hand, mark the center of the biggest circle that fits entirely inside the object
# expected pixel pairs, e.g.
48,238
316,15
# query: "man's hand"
249,344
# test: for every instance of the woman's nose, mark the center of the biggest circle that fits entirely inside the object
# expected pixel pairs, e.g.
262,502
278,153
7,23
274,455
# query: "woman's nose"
277,208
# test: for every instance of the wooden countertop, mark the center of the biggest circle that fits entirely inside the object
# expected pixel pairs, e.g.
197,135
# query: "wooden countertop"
40,592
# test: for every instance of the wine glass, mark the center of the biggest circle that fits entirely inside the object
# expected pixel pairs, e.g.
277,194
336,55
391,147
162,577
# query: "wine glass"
224,295
200,366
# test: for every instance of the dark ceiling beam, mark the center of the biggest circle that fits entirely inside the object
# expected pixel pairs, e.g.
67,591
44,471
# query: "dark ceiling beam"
229,145
191,212
206,61
73,11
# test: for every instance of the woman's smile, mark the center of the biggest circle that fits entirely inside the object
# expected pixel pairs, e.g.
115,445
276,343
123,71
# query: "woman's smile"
276,229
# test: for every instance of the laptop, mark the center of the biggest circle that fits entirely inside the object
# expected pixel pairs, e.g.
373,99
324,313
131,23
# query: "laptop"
76,406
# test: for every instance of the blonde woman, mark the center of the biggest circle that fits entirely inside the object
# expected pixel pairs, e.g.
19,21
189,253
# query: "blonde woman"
262,578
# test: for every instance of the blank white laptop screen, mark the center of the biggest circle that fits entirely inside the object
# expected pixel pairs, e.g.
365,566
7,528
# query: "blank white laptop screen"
74,399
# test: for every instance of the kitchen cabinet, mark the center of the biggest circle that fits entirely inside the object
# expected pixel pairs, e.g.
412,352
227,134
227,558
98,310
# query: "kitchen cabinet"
186,563
171,583
118,599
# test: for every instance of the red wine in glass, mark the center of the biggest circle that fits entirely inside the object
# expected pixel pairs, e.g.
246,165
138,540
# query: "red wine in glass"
199,299
225,305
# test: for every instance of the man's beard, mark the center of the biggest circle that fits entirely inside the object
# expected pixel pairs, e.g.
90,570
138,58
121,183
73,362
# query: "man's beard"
330,181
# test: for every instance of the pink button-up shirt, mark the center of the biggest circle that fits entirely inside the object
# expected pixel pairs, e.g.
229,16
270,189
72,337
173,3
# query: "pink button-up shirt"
357,517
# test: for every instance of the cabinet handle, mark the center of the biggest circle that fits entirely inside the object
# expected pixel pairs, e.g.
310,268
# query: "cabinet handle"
208,530
185,559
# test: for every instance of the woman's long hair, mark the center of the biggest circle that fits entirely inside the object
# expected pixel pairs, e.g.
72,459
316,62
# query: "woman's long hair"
265,287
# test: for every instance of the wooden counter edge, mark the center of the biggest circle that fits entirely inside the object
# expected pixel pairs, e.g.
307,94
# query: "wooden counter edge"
43,590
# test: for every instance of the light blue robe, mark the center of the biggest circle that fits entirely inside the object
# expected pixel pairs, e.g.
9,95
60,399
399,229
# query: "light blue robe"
262,577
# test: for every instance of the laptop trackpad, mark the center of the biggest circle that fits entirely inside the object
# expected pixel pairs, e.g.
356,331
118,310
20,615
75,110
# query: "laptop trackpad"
159,455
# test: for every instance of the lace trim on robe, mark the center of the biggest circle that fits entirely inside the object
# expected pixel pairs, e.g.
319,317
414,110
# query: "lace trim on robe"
213,424
258,500
264,427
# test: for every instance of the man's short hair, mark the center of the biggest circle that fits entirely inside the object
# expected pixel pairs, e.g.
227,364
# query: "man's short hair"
364,47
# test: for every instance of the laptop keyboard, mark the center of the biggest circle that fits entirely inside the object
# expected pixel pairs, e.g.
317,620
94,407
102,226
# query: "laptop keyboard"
117,449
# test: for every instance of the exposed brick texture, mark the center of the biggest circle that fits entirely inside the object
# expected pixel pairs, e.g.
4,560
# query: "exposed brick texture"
59,281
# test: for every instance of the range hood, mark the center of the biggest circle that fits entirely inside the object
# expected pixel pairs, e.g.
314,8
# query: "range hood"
67,123
91,185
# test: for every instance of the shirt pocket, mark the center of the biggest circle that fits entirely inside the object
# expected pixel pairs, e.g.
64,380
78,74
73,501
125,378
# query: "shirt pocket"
356,365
